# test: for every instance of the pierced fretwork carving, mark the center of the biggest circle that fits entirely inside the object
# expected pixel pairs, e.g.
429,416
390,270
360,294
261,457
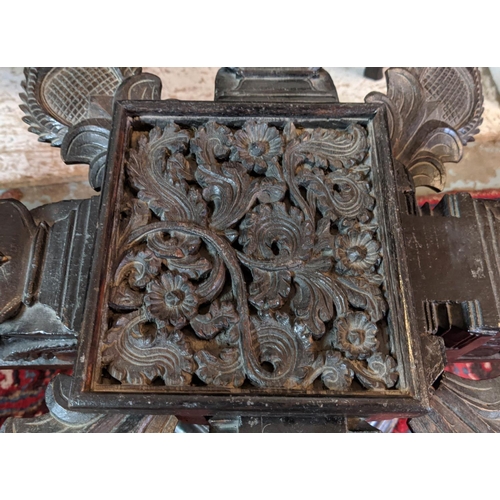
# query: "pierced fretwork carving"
252,260
249,253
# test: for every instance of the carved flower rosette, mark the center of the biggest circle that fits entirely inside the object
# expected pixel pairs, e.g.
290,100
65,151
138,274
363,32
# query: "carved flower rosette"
248,256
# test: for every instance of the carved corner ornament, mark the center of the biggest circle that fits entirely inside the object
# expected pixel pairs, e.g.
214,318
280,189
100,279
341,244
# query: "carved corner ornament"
432,113
250,258
72,108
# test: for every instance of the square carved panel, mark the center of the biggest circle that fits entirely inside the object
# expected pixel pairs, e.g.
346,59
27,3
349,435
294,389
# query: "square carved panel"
249,261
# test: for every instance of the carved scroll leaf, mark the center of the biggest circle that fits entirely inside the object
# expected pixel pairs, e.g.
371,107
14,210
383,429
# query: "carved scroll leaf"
336,194
336,374
220,317
333,148
287,353
137,353
320,149
226,370
364,295
211,144
380,372
273,225
274,240
269,289
233,192
182,253
134,272
316,295
165,189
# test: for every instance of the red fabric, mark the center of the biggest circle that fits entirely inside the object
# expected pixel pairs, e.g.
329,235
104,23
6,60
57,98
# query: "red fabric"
433,200
402,426
22,392
474,371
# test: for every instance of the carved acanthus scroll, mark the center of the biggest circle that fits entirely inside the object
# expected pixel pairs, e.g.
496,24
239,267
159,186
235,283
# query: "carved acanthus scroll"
249,254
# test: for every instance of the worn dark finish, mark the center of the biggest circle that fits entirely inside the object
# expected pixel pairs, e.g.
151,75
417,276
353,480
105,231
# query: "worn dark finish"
460,405
275,425
374,73
275,85
340,331
264,265
452,251
61,420
185,260
453,256
432,114
45,254
72,108
45,277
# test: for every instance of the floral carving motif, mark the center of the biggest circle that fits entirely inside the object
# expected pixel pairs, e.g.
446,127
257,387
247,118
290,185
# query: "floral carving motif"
355,335
274,242
172,299
336,374
256,145
134,272
257,259
220,317
356,252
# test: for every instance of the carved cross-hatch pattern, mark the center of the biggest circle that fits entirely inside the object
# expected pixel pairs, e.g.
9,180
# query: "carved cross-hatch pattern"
247,257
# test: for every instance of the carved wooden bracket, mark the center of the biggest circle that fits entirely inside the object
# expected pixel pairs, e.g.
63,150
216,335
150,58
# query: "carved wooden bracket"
72,108
432,113
45,274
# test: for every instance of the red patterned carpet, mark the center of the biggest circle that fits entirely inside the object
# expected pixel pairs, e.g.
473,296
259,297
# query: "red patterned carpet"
22,392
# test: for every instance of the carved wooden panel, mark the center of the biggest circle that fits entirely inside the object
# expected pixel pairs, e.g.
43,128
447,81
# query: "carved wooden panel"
255,252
